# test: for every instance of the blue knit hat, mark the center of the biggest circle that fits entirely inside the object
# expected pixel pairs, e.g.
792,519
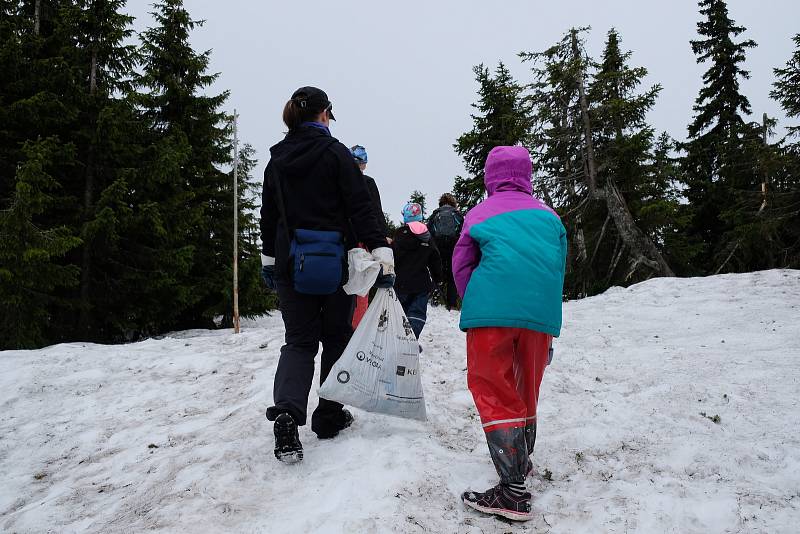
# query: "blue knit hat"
360,153
412,212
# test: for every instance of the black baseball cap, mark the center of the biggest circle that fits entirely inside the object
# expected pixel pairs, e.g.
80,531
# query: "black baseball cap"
313,98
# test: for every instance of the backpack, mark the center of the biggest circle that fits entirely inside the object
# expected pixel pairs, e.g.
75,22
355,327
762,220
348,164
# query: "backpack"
446,223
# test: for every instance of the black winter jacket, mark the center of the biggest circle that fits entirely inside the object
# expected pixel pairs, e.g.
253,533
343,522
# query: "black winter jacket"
416,260
322,188
377,207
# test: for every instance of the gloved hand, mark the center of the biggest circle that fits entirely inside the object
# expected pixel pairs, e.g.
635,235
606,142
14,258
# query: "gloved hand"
385,257
268,271
384,281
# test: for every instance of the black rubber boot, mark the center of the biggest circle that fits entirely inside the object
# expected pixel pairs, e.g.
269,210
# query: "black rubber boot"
530,440
509,452
330,428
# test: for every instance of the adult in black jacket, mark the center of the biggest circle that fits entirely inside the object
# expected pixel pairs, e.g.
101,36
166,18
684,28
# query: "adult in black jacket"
321,189
360,155
416,261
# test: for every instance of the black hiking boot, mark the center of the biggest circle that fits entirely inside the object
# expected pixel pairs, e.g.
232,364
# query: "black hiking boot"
345,420
288,448
501,502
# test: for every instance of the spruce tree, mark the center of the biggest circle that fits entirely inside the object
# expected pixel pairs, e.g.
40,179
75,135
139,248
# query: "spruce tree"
624,149
557,147
390,224
784,177
786,89
713,166
11,68
173,100
664,215
582,147
94,37
40,108
419,197
503,119
31,269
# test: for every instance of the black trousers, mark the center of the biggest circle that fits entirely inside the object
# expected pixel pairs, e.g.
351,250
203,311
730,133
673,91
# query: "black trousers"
451,296
309,321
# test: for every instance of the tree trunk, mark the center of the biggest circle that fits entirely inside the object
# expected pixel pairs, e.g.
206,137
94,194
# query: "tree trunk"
88,198
600,239
37,17
86,258
93,73
587,125
619,248
641,247
580,240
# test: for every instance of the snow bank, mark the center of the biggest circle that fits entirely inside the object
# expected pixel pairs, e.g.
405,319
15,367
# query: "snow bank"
671,406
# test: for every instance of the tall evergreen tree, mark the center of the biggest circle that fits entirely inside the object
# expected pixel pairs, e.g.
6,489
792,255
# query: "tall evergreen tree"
713,166
582,148
557,146
419,197
30,257
783,184
390,224
192,132
786,89
624,150
10,70
40,111
94,36
662,214
502,119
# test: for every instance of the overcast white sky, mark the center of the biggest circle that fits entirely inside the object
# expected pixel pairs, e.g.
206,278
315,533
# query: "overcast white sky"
400,73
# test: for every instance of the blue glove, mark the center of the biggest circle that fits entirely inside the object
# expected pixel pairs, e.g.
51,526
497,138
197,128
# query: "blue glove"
268,275
384,281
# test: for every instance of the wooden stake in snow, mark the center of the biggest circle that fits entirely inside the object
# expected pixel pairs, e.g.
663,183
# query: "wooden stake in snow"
235,223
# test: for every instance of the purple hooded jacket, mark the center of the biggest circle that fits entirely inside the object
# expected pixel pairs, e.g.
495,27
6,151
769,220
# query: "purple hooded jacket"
509,261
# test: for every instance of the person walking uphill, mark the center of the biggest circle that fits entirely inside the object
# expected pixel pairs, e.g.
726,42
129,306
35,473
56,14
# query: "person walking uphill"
315,207
360,155
417,260
509,269
445,225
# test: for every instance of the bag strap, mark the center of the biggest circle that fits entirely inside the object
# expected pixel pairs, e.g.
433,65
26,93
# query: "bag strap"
276,180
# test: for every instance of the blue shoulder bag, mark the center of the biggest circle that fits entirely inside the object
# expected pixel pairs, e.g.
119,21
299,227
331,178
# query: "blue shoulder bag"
316,257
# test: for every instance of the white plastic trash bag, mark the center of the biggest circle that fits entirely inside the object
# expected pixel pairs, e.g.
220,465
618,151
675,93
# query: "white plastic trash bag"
362,272
379,370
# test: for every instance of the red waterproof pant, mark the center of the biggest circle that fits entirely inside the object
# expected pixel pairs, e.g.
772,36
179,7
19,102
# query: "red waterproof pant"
362,303
505,367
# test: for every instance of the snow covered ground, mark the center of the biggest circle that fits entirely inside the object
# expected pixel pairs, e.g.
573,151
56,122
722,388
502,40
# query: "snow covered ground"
671,406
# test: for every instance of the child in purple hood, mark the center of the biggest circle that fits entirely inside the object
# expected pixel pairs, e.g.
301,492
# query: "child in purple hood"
508,266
